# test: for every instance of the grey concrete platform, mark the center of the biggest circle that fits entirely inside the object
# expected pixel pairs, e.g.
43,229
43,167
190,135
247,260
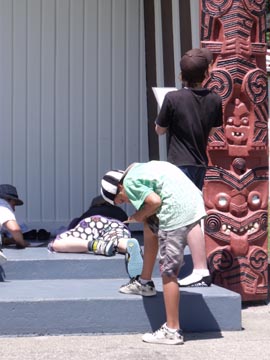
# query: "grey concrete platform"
38,263
252,342
45,293
40,307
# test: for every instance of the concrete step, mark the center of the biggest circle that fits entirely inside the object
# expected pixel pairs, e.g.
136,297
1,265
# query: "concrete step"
35,263
50,293
77,306
38,263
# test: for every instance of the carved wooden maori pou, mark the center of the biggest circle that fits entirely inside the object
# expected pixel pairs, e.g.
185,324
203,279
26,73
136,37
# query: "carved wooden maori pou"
236,184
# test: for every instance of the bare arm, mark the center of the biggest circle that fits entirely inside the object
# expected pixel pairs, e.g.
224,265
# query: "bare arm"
14,229
160,130
151,204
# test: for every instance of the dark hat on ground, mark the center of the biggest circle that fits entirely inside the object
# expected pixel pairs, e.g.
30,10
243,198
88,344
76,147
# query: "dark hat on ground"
194,64
9,192
109,185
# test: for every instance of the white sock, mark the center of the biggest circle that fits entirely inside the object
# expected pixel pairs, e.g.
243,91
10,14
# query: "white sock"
202,272
170,329
143,282
195,276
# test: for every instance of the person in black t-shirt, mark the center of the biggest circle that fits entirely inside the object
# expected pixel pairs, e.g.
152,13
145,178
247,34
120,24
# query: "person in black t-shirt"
189,116
100,207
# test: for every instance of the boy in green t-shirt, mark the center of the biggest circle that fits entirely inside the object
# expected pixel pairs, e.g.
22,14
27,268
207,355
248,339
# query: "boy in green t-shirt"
169,205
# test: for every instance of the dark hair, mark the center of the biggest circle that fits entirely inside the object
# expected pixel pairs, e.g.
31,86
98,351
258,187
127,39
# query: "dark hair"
194,65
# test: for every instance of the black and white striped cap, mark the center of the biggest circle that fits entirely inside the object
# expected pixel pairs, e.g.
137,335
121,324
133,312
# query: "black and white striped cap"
109,185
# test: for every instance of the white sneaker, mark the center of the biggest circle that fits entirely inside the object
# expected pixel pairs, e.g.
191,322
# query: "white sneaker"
164,336
3,259
195,280
101,247
135,287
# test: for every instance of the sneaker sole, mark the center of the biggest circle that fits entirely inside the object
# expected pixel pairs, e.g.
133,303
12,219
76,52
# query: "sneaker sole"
3,259
204,282
137,293
163,342
133,258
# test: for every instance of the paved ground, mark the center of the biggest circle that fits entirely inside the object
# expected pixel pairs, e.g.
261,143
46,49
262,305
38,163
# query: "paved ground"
250,343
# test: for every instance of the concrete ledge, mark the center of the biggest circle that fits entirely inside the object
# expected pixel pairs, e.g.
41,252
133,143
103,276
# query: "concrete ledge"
40,307
39,263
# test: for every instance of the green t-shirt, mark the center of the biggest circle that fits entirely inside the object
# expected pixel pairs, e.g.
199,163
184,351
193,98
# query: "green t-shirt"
182,202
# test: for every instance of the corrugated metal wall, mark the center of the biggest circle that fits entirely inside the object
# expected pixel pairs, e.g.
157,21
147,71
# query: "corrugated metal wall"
72,100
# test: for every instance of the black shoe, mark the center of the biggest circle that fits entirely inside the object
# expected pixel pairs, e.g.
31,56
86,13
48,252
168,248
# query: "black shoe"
42,234
30,235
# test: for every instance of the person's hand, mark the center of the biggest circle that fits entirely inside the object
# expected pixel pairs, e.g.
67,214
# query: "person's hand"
22,244
6,241
130,220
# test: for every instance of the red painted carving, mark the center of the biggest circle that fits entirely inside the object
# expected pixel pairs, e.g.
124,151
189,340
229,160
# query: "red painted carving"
236,184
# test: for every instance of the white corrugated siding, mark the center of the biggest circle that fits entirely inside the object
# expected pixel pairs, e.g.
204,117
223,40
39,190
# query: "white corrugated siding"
72,100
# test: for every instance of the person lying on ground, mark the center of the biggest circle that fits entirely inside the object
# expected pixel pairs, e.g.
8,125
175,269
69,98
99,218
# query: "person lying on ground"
102,236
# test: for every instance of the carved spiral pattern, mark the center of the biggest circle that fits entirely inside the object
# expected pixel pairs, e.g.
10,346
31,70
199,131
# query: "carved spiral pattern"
212,223
259,260
255,85
220,260
264,222
217,7
220,81
255,7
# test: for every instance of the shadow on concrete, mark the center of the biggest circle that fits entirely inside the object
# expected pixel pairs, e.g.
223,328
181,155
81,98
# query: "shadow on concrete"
2,274
195,315
187,267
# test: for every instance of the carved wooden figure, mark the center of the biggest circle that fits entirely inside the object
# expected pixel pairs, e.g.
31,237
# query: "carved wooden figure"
236,184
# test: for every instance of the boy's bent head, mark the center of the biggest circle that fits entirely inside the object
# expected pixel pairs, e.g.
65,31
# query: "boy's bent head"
194,65
109,185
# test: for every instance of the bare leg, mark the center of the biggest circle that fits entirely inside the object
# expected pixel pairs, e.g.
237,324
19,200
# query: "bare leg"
200,271
171,299
147,266
70,245
196,245
122,245
150,253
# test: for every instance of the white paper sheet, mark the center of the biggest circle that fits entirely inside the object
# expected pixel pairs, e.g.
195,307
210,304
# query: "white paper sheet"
160,93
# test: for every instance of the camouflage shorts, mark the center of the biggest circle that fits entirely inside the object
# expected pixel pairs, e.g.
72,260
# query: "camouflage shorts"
171,249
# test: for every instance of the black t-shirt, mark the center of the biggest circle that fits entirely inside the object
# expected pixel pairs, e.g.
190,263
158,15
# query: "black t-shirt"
189,115
106,210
